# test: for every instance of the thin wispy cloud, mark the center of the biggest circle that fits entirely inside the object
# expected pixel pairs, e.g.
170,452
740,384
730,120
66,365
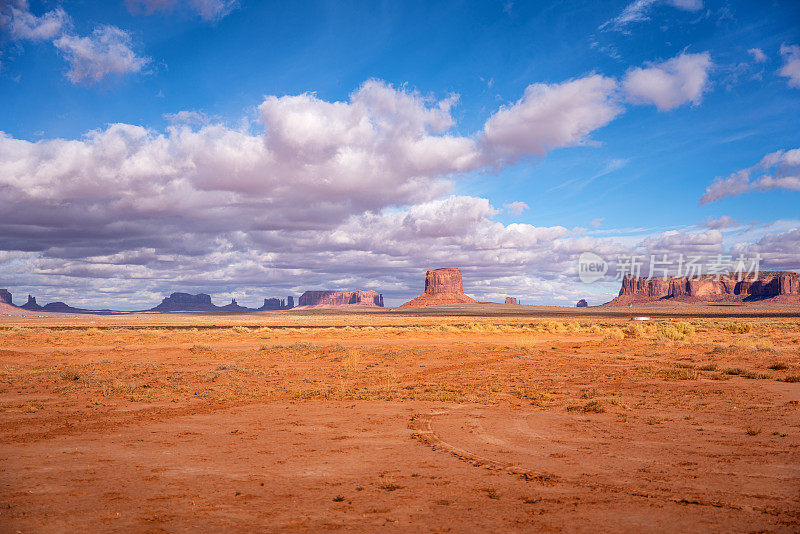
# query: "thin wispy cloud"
209,10
791,64
639,11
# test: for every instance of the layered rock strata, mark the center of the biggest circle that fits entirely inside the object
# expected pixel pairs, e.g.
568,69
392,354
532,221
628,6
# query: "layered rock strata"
442,286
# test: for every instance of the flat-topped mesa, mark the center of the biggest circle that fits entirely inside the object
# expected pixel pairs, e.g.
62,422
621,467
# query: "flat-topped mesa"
512,300
442,286
340,298
5,297
777,285
186,302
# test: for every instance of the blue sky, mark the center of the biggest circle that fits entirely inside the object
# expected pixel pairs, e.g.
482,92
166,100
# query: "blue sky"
689,91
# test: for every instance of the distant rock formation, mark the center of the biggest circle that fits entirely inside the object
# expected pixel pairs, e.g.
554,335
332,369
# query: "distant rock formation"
776,285
582,304
277,304
233,307
62,307
512,300
442,286
337,299
5,297
31,305
185,302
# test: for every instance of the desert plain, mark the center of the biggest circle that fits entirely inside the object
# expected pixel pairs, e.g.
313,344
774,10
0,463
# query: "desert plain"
449,419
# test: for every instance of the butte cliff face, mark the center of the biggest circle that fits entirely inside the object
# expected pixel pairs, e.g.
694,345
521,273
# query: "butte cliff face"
582,304
186,302
512,300
442,286
777,285
338,299
277,304
5,297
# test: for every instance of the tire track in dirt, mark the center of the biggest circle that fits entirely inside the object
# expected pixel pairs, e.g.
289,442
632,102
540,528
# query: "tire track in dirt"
423,432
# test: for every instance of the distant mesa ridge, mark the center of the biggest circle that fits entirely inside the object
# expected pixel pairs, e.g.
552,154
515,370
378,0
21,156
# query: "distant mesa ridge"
582,304
442,286
277,304
512,300
772,285
340,298
186,302
201,302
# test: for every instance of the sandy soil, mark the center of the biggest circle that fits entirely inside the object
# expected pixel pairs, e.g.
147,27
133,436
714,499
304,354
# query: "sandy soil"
422,422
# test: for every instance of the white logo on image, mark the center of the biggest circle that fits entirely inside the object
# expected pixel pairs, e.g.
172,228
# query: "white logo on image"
591,267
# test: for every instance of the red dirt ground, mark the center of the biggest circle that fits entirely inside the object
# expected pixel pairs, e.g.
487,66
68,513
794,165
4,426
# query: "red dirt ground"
415,423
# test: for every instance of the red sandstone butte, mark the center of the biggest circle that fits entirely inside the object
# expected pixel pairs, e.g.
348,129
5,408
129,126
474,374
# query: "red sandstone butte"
339,299
442,286
511,300
776,286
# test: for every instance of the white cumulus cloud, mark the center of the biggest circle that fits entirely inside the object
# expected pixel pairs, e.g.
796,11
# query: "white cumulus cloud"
107,51
17,20
778,170
552,116
669,84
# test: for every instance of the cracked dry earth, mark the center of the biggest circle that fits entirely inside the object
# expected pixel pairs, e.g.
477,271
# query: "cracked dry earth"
495,423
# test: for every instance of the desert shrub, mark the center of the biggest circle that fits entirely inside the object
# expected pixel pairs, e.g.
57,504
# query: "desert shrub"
791,379
778,366
708,367
241,329
677,331
615,334
555,327
589,407
680,373
735,371
634,330
738,328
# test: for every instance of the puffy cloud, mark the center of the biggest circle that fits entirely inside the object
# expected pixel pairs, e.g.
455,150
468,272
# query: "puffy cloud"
20,24
672,242
671,83
107,51
778,170
758,55
779,250
722,222
207,9
791,64
551,116
638,11
516,207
